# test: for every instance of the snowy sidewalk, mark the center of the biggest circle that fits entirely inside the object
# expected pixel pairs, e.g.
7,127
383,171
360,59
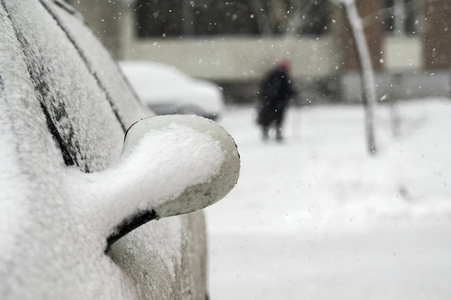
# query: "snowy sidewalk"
316,217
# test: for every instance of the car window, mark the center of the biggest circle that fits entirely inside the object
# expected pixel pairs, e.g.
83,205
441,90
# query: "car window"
100,63
77,109
25,131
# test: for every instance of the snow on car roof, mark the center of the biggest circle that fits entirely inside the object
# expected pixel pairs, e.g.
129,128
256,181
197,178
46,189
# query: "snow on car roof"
160,74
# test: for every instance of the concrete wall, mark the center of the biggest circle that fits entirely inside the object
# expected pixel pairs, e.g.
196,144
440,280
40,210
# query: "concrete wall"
393,85
436,34
403,54
238,59
228,58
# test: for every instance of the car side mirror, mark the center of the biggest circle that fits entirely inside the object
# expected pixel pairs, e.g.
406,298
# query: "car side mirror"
170,165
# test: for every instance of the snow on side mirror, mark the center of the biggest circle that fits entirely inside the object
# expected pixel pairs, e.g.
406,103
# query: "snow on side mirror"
170,165
198,157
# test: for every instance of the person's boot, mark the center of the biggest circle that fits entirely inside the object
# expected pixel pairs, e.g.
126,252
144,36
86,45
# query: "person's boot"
265,131
279,134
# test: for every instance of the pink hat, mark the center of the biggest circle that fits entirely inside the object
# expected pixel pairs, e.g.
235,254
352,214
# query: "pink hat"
284,64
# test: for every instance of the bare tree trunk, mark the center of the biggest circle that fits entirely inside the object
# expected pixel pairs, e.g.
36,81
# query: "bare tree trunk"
279,16
295,18
188,19
394,111
368,82
259,8
398,12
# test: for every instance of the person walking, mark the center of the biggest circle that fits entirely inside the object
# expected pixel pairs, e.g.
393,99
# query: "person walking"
275,91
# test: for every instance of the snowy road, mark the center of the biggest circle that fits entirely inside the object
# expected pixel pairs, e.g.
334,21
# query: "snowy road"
316,217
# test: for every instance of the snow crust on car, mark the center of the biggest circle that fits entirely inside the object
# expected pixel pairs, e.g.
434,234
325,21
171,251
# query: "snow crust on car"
11,210
20,119
50,247
170,165
169,160
98,58
66,89
181,156
212,160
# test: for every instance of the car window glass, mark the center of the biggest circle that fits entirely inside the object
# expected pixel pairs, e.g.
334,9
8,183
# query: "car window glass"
25,131
71,97
101,64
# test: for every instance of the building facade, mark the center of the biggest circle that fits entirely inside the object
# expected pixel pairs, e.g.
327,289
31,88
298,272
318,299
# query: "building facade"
234,43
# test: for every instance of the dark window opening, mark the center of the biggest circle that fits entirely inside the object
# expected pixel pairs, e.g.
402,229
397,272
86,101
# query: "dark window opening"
176,18
159,18
223,18
401,17
315,17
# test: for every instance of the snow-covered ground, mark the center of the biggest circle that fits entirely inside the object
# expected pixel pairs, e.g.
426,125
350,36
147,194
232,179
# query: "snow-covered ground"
317,217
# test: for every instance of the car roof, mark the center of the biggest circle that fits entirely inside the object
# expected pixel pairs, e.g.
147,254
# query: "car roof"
153,73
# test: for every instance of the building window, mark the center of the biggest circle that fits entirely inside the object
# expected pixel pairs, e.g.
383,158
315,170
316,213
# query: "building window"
401,17
315,17
159,18
170,18
223,18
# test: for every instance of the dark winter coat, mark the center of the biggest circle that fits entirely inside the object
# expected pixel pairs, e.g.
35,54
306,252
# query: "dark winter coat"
275,91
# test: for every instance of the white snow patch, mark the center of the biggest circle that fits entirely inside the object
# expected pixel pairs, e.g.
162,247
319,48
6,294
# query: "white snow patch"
179,157
317,217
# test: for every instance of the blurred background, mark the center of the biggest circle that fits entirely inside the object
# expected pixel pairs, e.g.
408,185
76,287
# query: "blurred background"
317,216
233,43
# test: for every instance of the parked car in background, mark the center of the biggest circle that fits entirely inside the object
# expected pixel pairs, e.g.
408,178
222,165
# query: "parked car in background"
167,90
75,199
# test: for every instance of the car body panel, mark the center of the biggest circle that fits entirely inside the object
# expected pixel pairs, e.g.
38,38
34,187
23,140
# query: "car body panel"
49,250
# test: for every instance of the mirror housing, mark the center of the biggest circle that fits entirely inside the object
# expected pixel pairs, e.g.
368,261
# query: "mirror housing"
170,165
207,137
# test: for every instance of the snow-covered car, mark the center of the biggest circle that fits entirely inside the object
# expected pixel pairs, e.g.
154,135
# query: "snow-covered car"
167,90
75,198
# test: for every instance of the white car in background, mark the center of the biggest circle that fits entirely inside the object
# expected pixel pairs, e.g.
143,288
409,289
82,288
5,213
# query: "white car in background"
167,90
